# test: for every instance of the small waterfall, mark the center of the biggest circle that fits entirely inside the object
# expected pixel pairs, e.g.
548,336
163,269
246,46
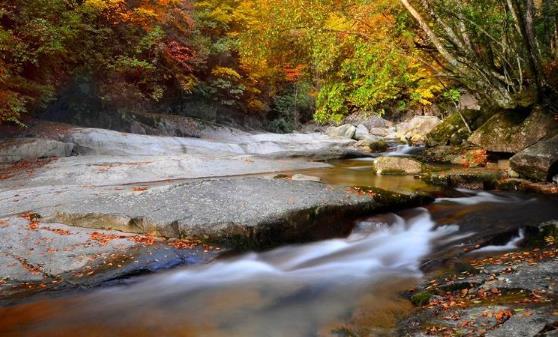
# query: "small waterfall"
511,245
401,150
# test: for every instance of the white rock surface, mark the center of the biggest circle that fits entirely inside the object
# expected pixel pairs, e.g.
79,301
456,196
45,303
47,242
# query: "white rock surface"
113,143
303,177
16,149
116,170
381,132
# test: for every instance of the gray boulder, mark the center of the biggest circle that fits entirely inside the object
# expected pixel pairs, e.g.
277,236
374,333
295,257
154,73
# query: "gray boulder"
382,132
512,132
251,211
13,150
343,131
369,120
538,162
397,166
416,129
361,132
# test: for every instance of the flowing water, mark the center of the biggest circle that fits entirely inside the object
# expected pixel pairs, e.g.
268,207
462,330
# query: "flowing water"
340,287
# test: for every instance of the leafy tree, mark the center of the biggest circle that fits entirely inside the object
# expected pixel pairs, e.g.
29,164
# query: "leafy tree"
134,49
502,49
360,54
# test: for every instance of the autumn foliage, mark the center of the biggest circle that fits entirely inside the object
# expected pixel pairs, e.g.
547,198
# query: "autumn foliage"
132,48
284,58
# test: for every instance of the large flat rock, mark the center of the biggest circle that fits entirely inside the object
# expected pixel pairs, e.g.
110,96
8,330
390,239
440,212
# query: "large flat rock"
91,141
16,149
38,256
239,212
118,170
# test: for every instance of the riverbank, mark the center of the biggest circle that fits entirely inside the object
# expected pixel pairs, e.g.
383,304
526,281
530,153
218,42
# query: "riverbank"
492,294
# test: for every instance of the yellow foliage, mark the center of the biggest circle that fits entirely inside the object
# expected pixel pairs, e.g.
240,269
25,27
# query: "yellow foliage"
104,4
337,22
256,105
187,82
225,72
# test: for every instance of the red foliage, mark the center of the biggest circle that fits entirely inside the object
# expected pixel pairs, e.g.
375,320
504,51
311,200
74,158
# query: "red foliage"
23,167
146,240
179,54
293,74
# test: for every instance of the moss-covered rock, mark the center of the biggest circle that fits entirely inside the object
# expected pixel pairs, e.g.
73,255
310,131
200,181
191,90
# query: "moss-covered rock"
421,298
372,144
452,130
466,156
472,178
514,131
441,154
397,166
379,146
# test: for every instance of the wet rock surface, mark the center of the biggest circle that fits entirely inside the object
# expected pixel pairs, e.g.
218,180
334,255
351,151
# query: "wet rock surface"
37,256
506,294
470,178
106,202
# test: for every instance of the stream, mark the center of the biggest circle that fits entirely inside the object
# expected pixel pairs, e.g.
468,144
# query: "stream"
347,286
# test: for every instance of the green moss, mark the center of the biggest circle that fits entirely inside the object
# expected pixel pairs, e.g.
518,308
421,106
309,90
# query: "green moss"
464,178
452,131
379,146
421,298
393,173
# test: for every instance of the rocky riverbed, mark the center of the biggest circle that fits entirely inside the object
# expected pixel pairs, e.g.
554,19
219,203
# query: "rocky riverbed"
83,207
75,198
492,294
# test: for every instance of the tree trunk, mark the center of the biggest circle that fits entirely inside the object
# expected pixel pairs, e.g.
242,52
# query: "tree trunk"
529,40
431,35
474,74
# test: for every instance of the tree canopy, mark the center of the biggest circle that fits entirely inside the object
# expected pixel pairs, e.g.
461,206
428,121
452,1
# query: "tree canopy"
284,58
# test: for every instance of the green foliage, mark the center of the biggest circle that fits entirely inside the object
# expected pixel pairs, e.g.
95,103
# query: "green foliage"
332,104
291,106
452,95
361,54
